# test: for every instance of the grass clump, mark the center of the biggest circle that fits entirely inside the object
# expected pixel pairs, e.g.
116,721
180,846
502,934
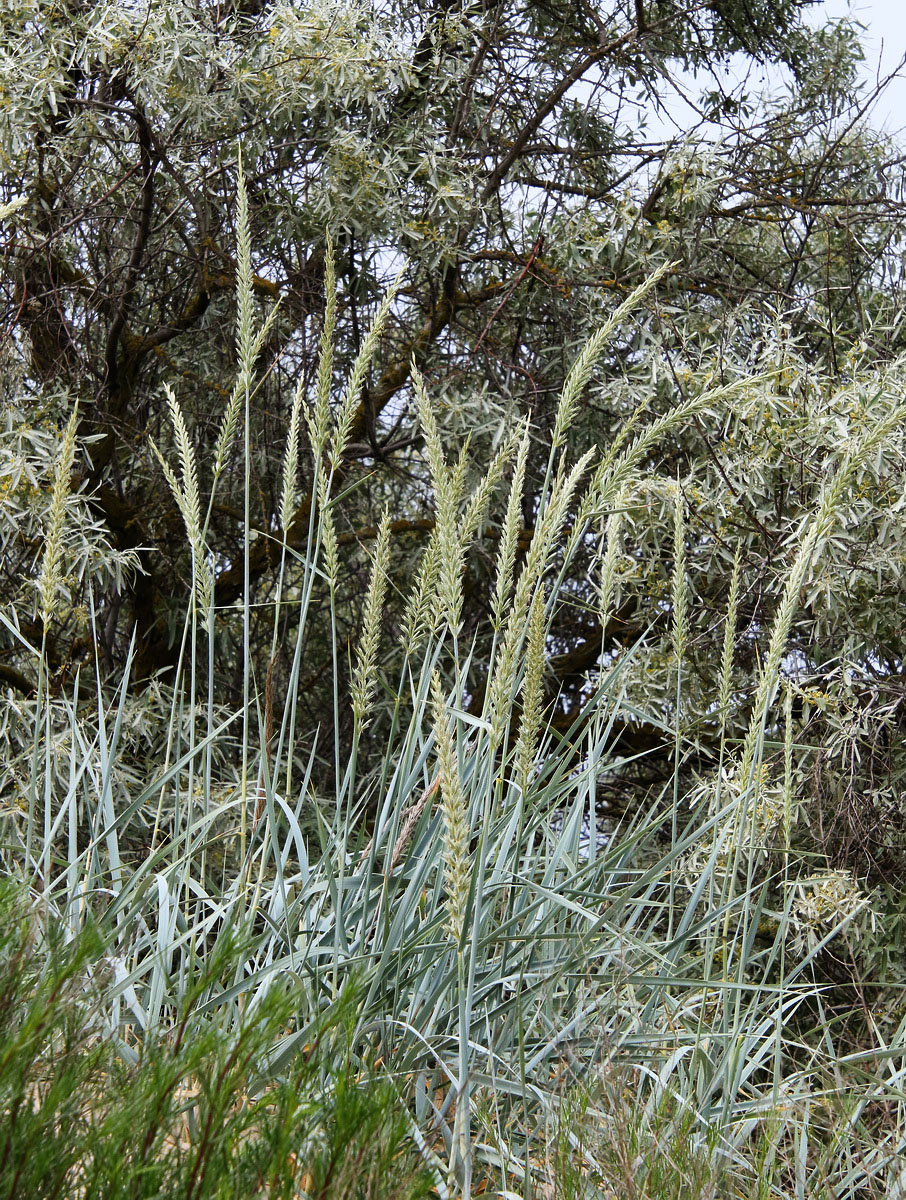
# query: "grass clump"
412,950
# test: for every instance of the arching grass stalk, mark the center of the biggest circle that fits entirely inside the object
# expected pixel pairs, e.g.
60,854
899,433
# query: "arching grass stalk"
185,492
243,387
680,604
616,468
332,449
748,776
581,371
317,421
245,345
456,870
50,580
816,530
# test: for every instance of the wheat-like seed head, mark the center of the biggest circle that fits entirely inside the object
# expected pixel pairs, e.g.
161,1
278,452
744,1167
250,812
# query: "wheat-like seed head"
244,324
626,428
509,534
612,551
7,210
170,476
452,547
480,499
289,493
448,486
248,343
191,500
228,425
328,531
233,412
500,693
420,615
551,525
787,766
203,573
318,419
364,676
777,647
582,368
532,691
679,589
455,815
433,448
729,643
614,470
188,501
352,394
51,566
818,528
455,534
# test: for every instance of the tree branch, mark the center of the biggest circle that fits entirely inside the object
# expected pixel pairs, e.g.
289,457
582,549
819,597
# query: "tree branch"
14,679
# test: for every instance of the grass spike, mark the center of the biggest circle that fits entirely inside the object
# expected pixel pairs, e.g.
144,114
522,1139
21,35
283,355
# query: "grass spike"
532,692
51,575
582,368
612,552
364,678
352,394
509,534
453,807
318,419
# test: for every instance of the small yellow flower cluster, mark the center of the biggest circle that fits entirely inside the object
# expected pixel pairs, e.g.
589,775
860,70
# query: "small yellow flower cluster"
827,904
747,823
815,698
424,231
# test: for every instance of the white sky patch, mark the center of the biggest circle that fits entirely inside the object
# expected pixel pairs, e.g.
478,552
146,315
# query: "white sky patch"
884,42
883,38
